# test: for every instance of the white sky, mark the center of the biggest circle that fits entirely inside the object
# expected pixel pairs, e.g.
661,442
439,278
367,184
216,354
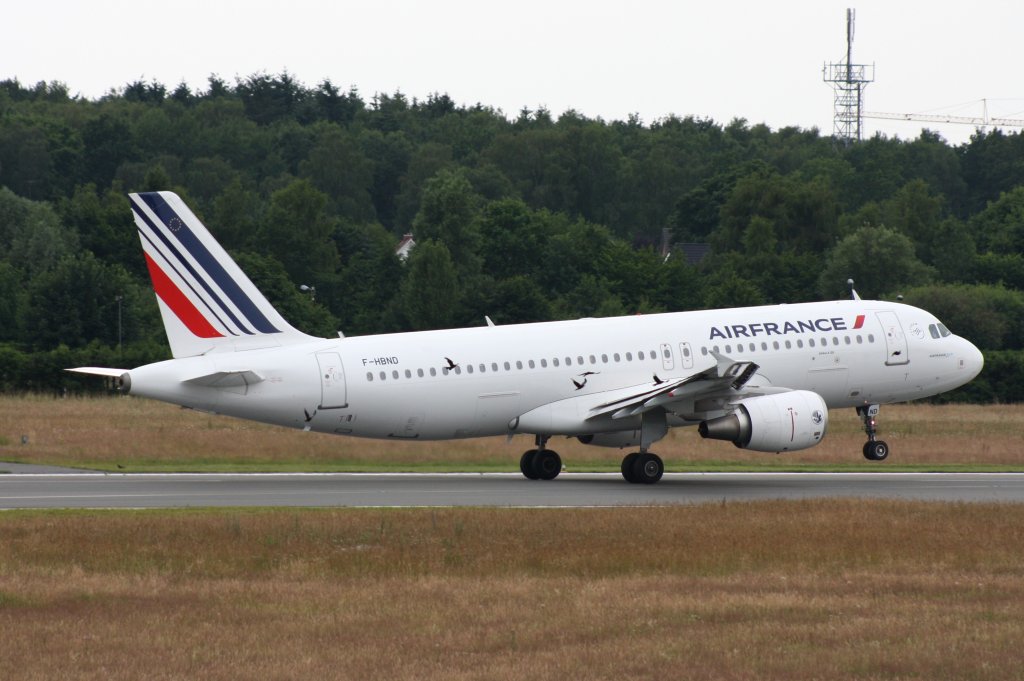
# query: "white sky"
751,59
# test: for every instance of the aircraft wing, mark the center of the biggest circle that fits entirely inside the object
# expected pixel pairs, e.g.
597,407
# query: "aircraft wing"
721,378
710,388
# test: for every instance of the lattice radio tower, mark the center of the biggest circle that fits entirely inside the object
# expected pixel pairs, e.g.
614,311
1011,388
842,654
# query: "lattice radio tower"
848,81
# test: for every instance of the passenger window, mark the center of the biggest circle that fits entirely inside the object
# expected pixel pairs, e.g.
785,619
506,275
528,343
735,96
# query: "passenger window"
483,368
554,362
775,344
568,361
860,339
835,340
604,359
764,346
519,364
789,346
369,376
469,368
704,350
810,342
846,339
394,374
579,360
640,355
593,360
508,367
728,349
494,366
458,370
871,338
532,364
799,343
419,372
616,357
753,348
383,376
629,356
408,374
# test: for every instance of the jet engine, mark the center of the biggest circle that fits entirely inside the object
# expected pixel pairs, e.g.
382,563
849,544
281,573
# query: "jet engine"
772,423
619,438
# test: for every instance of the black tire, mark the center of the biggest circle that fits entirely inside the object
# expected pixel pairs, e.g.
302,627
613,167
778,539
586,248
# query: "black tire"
627,466
526,464
648,469
547,465
876,451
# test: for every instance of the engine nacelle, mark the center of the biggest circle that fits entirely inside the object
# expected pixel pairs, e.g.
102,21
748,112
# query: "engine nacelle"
619,439
772,423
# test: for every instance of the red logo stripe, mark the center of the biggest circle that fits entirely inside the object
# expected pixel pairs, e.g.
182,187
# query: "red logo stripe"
179,304
859,322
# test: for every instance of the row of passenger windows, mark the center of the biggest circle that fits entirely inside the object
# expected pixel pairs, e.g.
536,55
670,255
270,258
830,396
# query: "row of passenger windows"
520,365
593,360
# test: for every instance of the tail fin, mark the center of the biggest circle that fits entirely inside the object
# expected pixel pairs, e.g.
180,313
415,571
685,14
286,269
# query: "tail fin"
206,302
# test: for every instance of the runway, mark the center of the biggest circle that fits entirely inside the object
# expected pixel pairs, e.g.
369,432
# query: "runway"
98,490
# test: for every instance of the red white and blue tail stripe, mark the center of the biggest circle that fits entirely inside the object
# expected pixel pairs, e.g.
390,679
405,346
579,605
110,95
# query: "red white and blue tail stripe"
206,301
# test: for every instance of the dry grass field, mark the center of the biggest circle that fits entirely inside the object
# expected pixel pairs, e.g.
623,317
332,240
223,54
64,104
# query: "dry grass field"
140,434
777,590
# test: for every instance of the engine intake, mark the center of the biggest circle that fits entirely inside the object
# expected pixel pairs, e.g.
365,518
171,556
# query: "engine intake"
772,423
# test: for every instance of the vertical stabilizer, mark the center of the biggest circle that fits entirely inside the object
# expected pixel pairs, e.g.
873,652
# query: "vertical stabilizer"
206,301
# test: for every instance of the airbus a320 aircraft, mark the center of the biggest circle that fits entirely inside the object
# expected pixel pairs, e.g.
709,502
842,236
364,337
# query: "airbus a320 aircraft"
762,378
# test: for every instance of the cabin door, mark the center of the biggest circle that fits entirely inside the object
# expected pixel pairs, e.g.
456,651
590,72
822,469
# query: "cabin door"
895,340
332,381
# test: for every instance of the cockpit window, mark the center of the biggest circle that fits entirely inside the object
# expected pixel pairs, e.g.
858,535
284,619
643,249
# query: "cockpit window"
933,329
944,331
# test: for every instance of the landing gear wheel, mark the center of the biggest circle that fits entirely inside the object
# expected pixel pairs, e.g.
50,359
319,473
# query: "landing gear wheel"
876,451
627,466
526,464
546,465
648,469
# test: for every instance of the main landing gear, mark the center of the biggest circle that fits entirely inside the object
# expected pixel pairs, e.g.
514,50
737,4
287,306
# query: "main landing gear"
874,450
541,463
642,467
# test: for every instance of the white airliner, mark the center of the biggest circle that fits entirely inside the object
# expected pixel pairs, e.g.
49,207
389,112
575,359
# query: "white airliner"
762,378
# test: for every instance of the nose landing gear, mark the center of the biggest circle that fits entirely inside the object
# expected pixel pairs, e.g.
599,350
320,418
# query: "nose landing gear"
874,450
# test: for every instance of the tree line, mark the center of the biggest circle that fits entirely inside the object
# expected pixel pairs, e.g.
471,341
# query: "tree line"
522,217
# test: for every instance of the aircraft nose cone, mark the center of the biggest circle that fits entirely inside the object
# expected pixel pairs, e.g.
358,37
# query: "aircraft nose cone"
973,360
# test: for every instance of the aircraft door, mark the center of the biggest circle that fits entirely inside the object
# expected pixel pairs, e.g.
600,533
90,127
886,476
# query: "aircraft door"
895,340
667,361
686,355
334,394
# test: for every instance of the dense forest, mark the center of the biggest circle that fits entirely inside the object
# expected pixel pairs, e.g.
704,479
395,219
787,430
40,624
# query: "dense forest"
523,217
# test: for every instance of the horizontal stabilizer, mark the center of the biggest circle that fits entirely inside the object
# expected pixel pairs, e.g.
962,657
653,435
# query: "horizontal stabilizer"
100,371
227,379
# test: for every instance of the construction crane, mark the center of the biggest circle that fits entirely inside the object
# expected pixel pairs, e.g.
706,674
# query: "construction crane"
983,122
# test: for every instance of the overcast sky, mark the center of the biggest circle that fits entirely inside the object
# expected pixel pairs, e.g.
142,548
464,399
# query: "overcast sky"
759,60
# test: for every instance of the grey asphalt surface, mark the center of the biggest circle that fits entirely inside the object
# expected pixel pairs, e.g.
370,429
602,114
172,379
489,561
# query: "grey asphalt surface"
46,489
